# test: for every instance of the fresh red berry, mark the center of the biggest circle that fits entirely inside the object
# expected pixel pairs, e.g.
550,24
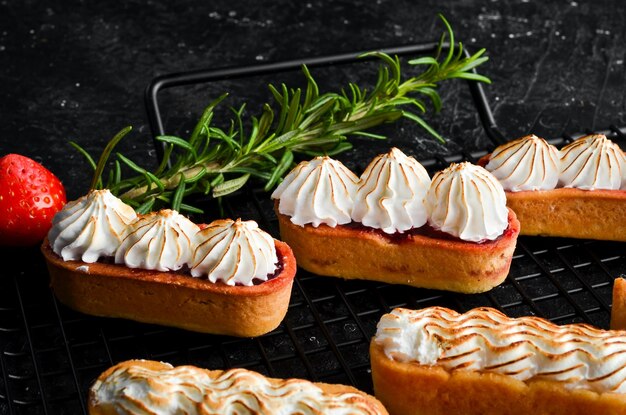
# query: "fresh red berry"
30,195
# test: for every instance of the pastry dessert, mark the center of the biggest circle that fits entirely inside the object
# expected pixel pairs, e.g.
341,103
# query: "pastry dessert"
142,387
228,277
394,225
579,192
618,307
436,361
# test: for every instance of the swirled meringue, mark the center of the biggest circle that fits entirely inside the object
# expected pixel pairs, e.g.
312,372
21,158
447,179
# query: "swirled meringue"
593,162
159,241
234,252
90,227
391,193
320,191
528,163
189,390
484,339
466,201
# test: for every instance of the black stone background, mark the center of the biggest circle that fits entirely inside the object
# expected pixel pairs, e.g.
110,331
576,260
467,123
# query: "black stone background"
77,71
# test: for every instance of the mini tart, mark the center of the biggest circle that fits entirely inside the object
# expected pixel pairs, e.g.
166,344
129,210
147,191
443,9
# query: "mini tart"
569,212
416,260
339,398
618,306
172,298
414,389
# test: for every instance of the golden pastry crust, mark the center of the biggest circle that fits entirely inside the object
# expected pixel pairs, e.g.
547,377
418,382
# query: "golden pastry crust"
569,212
618,308
414,389
172,299
357,398
419,261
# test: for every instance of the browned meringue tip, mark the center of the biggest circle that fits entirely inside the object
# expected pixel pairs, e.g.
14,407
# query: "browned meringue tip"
454,167
591,139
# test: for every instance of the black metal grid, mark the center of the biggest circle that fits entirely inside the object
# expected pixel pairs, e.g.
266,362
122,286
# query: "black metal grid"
50,354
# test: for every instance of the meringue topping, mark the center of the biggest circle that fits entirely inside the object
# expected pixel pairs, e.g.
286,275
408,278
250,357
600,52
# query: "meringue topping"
466,201
528,163
391,193
484,339
593,162
159,241
320,191
234,252
90,227
190,390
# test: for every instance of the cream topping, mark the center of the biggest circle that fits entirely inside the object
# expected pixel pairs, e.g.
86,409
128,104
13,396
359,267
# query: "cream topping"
466,201
90,227
234,252
320,191
528,163
190,390
159,241
391,193
484,339
593,162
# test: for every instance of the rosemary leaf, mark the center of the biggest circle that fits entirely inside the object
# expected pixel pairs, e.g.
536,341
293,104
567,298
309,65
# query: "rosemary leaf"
230,186
177,200
177,141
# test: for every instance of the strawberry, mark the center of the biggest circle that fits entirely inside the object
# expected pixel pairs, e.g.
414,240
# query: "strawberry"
30,195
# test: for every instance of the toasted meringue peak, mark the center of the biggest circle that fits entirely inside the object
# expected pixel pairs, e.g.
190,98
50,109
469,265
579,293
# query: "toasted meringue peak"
234,252
318,191
391,193
466,201
484,339
90,227
159,241
190,390
593,162
528,163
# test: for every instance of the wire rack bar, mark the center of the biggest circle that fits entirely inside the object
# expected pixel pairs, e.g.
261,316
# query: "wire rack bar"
30,346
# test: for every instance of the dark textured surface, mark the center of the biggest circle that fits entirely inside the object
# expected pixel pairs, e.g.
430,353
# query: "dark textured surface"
78,71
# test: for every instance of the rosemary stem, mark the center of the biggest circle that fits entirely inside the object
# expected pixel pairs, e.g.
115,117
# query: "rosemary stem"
170,183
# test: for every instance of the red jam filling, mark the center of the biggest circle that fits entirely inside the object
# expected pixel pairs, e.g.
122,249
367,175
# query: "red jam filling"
184,271
425,230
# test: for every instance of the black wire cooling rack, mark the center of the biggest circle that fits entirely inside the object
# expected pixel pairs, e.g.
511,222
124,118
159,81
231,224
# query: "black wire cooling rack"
51,354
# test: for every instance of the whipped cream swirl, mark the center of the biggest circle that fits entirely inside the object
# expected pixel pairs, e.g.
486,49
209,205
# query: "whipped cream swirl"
234,252
593,162
159,241
466,201
528,163
484,339
391,193
91,227
190,390
320,191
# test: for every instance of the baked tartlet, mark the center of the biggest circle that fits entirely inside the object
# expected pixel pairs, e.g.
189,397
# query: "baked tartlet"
148,387
228,277
394,225
438,362
618,305
579,192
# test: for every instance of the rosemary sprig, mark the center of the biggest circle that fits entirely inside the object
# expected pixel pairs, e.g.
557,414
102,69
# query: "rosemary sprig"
221,161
